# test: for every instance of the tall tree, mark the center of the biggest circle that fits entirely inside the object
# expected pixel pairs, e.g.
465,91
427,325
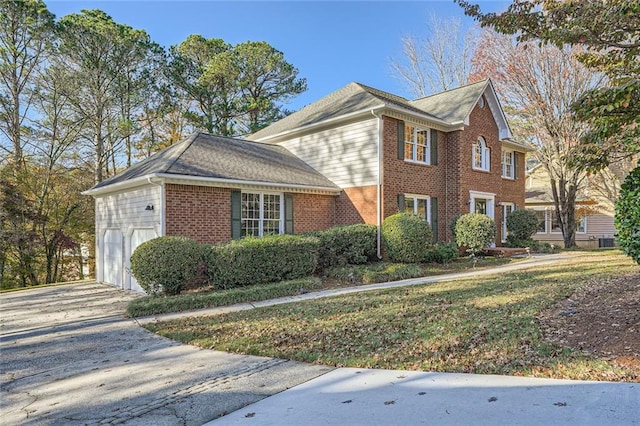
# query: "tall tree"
102,57
25,27
188,62
234,89
266,80
539,84
440,61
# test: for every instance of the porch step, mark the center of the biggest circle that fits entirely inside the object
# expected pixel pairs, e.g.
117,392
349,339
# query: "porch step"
506,251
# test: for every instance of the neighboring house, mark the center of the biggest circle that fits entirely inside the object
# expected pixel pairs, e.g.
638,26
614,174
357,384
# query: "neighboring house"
594,215
356,156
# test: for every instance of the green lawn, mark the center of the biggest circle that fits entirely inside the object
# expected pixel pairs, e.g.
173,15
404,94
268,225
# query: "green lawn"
483,325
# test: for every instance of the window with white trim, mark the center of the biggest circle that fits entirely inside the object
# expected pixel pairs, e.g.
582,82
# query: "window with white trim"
581,224
508,168
419,205
261,214
542,220
481,155
417,144
482,202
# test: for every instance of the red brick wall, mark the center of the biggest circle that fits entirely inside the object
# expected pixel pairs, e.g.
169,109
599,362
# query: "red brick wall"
481,123
356,205
454,176
402,177
204,213
313,212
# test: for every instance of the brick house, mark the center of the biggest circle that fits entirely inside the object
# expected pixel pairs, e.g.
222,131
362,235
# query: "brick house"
357,155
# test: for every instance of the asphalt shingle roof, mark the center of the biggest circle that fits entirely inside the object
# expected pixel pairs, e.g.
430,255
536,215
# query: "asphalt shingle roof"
352,98
208,156
453,105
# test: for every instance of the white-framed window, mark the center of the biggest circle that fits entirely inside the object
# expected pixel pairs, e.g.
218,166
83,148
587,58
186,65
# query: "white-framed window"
508,167
417,144
419,205
262,214
541,214
507,209
581,224
482,202
481,155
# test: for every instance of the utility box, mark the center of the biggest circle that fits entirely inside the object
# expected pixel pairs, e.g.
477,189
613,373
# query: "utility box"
605,242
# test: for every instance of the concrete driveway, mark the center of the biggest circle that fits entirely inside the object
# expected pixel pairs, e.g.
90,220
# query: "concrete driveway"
68,356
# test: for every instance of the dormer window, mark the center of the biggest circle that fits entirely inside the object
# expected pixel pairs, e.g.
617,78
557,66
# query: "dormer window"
481,155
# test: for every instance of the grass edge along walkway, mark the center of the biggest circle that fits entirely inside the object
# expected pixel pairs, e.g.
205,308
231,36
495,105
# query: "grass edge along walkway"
533,261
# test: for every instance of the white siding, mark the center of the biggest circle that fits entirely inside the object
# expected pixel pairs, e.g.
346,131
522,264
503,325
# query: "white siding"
347,155
125,212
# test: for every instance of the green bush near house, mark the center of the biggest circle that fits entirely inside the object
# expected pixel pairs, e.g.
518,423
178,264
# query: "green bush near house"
263,260
627,218
475,231
521,226
443,253
406,238
166,265
346,245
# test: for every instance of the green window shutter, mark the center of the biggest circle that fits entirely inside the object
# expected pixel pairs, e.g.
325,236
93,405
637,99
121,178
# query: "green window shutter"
236,215
434,147
400,140
434,218
515,165
288,213
401,205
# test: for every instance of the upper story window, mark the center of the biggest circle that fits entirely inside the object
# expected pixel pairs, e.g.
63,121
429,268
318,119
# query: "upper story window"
508,164
481,155
417,144
261,214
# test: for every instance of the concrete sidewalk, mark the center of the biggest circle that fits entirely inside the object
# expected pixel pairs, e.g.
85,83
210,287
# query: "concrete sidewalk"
352,396
531,262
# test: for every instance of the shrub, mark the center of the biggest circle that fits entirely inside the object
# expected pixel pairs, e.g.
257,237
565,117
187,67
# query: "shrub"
350,244
545,248
517,242
452,225
406,238
165,265
443,253
475,231
263,260
627,218
522,224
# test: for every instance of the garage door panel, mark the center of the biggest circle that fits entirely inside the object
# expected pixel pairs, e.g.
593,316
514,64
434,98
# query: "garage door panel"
112,249
138,237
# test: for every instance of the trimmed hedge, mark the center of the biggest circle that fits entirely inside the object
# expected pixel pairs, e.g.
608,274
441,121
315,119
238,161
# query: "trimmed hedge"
263,260
475,231
443,253
166,265
346,245
406,238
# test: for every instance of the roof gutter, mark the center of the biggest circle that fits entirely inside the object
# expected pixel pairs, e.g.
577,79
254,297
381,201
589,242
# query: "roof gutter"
147,179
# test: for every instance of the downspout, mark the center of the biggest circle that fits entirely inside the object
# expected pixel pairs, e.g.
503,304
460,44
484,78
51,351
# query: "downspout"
379,187
162,205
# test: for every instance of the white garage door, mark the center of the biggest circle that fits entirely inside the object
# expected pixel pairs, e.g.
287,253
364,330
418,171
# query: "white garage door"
112,257
138,237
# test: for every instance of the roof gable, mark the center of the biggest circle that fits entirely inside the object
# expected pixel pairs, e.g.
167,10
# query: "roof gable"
450,108
205,156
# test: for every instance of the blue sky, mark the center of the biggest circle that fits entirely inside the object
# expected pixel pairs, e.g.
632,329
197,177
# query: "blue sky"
332,43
